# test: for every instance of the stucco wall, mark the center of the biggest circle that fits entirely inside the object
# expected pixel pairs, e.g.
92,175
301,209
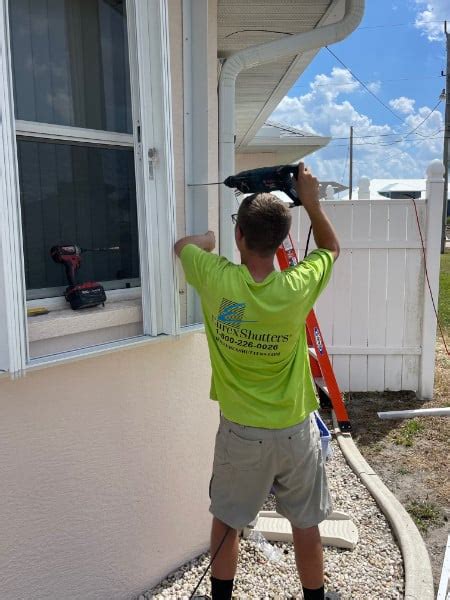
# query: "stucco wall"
104,470
105,462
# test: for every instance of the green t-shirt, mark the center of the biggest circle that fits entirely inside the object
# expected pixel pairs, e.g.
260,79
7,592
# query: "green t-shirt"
256,335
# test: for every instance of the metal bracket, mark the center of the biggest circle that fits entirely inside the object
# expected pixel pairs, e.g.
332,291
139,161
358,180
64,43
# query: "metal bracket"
152,161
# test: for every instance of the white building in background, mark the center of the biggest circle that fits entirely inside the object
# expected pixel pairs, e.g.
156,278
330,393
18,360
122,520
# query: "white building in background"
390,188
277,144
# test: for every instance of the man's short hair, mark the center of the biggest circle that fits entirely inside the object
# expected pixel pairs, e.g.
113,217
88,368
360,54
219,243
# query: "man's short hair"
264,221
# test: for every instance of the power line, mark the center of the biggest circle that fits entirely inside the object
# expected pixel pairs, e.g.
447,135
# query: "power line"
431,137
338,85
394,25
374,135
365,86
428,137
422,122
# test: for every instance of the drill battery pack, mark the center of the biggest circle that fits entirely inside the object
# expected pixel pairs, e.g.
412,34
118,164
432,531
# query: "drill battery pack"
85,295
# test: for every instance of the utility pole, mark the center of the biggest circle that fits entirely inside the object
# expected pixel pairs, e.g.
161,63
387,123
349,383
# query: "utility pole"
350,183
446,140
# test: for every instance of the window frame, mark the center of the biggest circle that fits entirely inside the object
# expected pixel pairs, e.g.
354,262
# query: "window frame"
148,42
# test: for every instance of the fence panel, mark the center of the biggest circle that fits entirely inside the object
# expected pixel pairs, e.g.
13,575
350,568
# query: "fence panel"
371,312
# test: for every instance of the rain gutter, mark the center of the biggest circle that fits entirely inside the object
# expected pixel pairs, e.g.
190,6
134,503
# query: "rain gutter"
252,57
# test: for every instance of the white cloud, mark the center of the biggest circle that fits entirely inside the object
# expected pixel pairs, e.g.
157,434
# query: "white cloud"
430,20
385,152
374,86
402,105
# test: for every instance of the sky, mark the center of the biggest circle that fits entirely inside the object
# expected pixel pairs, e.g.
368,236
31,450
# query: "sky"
398,51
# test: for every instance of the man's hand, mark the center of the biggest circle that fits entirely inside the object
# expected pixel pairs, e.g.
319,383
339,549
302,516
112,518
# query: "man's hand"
307,187
308,192
207,242
210,239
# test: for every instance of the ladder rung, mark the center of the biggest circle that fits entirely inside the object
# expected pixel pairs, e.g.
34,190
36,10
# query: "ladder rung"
320,382
312,352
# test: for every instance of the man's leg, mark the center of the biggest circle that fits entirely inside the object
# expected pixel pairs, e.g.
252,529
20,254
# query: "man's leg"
309,559
225,563
223,569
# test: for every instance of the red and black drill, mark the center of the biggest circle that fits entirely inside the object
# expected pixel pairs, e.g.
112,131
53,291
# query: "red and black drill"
79,295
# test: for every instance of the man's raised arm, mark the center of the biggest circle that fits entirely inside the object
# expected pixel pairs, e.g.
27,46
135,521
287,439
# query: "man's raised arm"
206,241
308,192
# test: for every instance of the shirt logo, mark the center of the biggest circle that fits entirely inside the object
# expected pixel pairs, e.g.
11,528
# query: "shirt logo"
231,313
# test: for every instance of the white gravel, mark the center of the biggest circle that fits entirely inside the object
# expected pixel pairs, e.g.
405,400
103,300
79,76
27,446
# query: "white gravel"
372,571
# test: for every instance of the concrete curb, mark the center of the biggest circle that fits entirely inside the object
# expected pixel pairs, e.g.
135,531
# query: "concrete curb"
418,574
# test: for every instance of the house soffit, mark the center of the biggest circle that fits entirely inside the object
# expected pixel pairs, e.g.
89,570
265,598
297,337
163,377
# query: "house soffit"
260,89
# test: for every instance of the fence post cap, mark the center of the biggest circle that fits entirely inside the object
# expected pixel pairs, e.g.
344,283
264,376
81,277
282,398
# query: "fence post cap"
364,183
435,169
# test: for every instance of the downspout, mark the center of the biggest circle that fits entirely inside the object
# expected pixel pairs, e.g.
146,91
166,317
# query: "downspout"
252,57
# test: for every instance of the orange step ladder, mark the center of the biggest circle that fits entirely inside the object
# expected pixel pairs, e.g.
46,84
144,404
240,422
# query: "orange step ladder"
321,369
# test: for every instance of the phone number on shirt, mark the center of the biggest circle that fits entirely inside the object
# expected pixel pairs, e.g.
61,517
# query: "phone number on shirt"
246,343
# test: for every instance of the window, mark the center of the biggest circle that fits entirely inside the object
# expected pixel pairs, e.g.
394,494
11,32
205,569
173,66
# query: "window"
88,108
70,68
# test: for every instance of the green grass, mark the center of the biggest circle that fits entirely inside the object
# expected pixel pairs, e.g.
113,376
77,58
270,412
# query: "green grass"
403,471
444,291
408,431
424,514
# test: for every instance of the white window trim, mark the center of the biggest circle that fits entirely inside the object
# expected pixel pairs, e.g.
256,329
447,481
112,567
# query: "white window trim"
60,303
152,80
49,131
12,295
149,42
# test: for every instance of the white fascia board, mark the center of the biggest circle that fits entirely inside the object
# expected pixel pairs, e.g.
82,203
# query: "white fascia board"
276,146
313,140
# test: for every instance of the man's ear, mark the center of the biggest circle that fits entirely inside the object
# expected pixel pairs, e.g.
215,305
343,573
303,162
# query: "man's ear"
239,234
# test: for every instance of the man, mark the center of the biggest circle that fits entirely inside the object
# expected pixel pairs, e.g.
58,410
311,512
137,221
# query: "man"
255,325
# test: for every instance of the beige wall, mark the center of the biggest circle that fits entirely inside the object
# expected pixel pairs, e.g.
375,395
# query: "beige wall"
104,470
256,160
105,462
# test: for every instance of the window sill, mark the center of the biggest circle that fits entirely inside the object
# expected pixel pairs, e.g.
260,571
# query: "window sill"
36,364
59,323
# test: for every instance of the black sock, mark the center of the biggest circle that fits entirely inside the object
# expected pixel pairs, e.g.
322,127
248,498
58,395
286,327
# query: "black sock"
318,594
221,589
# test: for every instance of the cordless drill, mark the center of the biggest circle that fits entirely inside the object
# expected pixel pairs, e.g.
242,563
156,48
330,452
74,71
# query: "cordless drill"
267,179
82,295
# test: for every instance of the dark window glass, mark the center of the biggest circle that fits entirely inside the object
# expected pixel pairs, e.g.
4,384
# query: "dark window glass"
83,195
70,63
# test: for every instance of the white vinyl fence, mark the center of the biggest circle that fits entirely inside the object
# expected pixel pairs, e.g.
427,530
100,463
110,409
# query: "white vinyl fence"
376,315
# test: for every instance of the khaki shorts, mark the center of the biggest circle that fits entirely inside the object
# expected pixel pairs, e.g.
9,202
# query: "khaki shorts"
249,462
